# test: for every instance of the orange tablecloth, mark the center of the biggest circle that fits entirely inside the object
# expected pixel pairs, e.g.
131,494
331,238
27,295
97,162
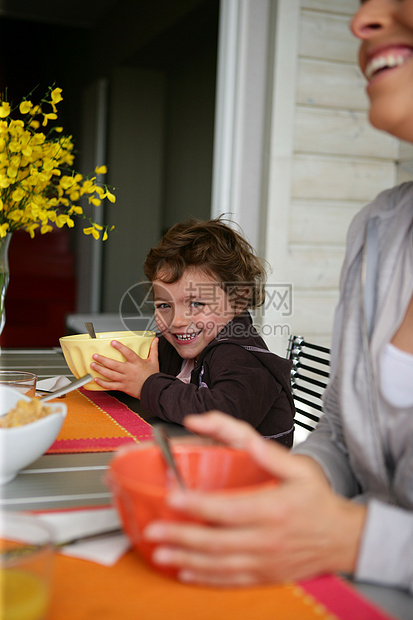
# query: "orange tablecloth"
98,422
132,591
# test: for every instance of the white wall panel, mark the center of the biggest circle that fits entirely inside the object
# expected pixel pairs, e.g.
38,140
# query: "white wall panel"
321,83
315,221
346,7
313,314
332,178
322,264
340,132
326,37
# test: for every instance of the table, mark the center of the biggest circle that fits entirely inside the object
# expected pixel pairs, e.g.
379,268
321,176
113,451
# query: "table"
58,481
39,487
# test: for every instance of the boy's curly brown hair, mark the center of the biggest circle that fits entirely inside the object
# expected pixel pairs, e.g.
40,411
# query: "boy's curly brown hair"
219,251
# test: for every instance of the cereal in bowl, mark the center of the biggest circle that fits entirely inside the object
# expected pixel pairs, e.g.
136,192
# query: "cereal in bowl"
24,412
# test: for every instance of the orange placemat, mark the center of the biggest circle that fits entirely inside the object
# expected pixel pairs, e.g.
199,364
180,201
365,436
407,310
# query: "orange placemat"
130,590
98,422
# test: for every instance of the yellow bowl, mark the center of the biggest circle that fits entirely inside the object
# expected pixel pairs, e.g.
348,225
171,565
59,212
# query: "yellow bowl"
79,349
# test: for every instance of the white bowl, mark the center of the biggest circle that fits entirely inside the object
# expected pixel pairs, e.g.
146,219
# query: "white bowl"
21,445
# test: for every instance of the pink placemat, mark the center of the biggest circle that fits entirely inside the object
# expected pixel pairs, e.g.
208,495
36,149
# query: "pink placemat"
341,599
98,422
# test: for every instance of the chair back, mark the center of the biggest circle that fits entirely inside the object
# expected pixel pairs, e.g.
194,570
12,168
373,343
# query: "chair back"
309,377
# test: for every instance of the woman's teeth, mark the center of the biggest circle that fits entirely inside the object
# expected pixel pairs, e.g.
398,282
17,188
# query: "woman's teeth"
384,62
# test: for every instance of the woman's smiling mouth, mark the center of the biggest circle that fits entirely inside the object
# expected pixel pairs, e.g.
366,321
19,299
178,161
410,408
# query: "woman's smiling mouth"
394,57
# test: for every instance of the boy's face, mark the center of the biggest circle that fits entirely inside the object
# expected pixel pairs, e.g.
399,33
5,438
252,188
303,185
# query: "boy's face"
190,313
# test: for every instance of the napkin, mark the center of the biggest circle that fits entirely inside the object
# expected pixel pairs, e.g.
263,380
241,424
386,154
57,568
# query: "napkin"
53,383
68,525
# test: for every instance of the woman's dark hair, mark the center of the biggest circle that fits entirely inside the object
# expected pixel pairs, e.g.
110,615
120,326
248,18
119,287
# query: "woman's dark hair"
219,251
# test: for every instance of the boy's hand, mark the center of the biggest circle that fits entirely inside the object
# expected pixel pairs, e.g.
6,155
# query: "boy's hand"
128,376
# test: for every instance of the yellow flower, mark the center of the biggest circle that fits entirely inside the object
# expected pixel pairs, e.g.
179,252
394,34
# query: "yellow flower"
12,172
18,194
14,146
31,228
94,201
38,187
4,109
77,210
38,138
66,182
48,117
25,107
16,214
88,187
45,229
56,95
4,181
63,219
111,197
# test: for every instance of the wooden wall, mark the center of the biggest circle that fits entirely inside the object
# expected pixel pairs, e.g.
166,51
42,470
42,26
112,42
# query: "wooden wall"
334,164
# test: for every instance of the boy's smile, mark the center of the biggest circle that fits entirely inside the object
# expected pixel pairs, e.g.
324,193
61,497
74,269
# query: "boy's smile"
186,337
191,312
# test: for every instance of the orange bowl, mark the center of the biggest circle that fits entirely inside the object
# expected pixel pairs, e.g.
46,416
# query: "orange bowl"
140,482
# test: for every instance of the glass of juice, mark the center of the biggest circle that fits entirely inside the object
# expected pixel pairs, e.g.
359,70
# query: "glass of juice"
26,565
24,382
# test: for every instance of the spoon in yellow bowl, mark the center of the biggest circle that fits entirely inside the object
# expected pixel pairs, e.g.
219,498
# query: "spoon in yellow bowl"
90,329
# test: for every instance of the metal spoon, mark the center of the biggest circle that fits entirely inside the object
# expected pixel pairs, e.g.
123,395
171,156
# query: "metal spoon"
90,330
67,388
163,443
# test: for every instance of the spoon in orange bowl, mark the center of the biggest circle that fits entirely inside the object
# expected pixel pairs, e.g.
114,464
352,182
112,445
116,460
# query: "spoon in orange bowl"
163,443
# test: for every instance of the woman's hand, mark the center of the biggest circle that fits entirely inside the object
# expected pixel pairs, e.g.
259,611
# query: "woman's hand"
128,376
297,530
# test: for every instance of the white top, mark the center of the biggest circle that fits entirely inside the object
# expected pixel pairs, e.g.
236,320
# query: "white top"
186,369
396,376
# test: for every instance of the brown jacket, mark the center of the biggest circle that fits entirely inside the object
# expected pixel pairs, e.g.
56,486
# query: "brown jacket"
236,374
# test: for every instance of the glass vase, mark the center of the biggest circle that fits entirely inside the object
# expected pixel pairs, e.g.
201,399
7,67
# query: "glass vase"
4,276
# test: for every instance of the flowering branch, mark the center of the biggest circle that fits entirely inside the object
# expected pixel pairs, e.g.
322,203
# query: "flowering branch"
38,186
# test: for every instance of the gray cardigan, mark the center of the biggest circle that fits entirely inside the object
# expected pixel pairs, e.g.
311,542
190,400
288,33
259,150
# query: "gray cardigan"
363,443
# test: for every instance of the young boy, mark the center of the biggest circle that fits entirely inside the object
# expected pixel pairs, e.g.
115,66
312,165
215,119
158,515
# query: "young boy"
205,276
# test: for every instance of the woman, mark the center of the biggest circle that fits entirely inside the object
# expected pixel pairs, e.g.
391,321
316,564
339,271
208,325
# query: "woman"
363,447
